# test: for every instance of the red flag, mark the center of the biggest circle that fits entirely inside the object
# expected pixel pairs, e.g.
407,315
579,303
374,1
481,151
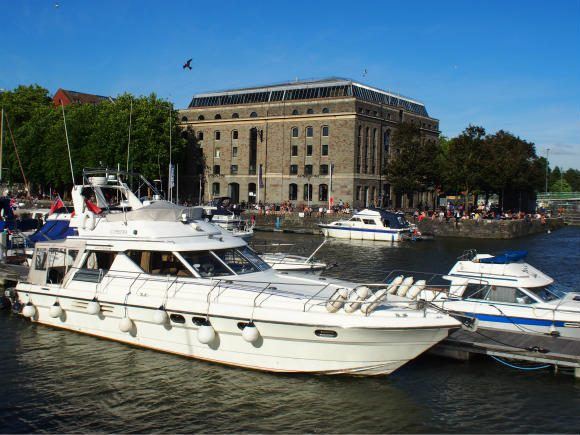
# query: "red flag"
92,207
55,206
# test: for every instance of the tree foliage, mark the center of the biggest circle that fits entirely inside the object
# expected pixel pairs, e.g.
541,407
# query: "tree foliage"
98,136
413,166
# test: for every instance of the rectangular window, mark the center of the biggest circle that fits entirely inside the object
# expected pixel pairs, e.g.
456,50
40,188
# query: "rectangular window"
215,189
293,169
294,150
235,134
218,135
307,169
325,131
216,169
369,221
323,169
234,169
217,153
308,150
95,266
324,150
309,131
235,152
158,263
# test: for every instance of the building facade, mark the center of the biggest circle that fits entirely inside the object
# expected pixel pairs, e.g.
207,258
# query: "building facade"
307,142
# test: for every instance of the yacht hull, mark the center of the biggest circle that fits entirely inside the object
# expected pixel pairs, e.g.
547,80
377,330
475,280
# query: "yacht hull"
281,347
362,234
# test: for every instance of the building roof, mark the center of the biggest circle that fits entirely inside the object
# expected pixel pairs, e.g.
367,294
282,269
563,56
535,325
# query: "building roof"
82,98
305,90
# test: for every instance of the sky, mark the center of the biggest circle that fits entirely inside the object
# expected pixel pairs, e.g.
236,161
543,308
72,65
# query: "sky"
511,65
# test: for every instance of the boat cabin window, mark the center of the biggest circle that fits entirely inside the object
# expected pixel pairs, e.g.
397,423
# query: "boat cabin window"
59,262
95,266
354,219
158,263
236,261
369,221
547,293
254,258
206,264
40,262
494,293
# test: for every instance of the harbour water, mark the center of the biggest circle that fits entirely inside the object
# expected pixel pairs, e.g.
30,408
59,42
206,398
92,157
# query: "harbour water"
58,381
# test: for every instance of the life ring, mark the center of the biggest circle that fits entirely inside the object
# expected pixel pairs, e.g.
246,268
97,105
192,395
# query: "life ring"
89,221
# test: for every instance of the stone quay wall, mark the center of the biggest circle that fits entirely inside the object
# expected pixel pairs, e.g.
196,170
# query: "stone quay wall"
484,229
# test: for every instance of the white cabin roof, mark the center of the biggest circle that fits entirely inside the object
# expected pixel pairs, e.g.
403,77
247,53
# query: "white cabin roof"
516,274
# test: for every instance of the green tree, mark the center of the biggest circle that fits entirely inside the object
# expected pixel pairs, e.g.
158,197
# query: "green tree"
413,166
462,171
560,186
572,176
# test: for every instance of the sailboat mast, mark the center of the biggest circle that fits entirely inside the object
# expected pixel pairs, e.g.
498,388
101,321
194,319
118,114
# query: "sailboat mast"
1,141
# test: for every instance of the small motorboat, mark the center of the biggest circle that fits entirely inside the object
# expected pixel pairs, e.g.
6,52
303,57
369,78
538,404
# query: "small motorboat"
286,262
500,293
370,224
223,213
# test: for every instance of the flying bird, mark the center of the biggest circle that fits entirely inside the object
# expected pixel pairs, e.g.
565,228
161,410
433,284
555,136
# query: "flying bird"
187,64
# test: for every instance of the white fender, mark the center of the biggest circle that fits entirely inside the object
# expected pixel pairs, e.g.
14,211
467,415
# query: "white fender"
374,301
93,307
126,324
205,334
337,300
416,288
394,285
88,221
55,310
407,282
160,316
29,310
356,297
250,333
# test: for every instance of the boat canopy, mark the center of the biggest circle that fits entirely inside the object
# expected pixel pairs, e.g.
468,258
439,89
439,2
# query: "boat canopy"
53,230
505,258
393,220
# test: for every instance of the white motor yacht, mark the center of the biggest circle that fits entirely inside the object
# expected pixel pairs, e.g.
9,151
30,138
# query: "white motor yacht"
150,275
222,213
501,293
370,224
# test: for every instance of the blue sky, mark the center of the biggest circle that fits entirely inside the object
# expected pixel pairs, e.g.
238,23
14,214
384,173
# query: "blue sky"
512,65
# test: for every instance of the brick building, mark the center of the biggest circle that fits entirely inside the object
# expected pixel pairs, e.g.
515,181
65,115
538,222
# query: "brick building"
72,97
307,141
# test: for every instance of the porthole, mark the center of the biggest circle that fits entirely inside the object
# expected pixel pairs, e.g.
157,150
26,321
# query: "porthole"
199,321
177,318
325,333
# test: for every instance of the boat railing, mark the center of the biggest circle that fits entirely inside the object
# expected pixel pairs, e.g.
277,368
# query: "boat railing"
314,296
468,255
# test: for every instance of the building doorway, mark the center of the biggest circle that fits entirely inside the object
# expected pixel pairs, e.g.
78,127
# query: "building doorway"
234,192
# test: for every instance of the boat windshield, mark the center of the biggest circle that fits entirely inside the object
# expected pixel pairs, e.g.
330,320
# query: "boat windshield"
223,262
548,293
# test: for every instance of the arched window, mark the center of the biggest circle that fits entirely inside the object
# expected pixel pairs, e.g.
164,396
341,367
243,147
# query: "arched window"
200,118
294,131
217,135
235,134
307,192
310,111
325,110
218,116
235,115
325,130
295,112
293,192
386,141
184,119
253,115
234,192
323,192
309,132
252,193
215,189
200,135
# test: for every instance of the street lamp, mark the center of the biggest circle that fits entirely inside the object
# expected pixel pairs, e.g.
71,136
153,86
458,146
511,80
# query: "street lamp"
547,166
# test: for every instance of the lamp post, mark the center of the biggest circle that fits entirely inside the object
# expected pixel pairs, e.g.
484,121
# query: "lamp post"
547,166
1,134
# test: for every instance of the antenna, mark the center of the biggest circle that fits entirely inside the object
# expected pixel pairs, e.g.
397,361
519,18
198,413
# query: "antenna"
170,178
72,174
129,143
